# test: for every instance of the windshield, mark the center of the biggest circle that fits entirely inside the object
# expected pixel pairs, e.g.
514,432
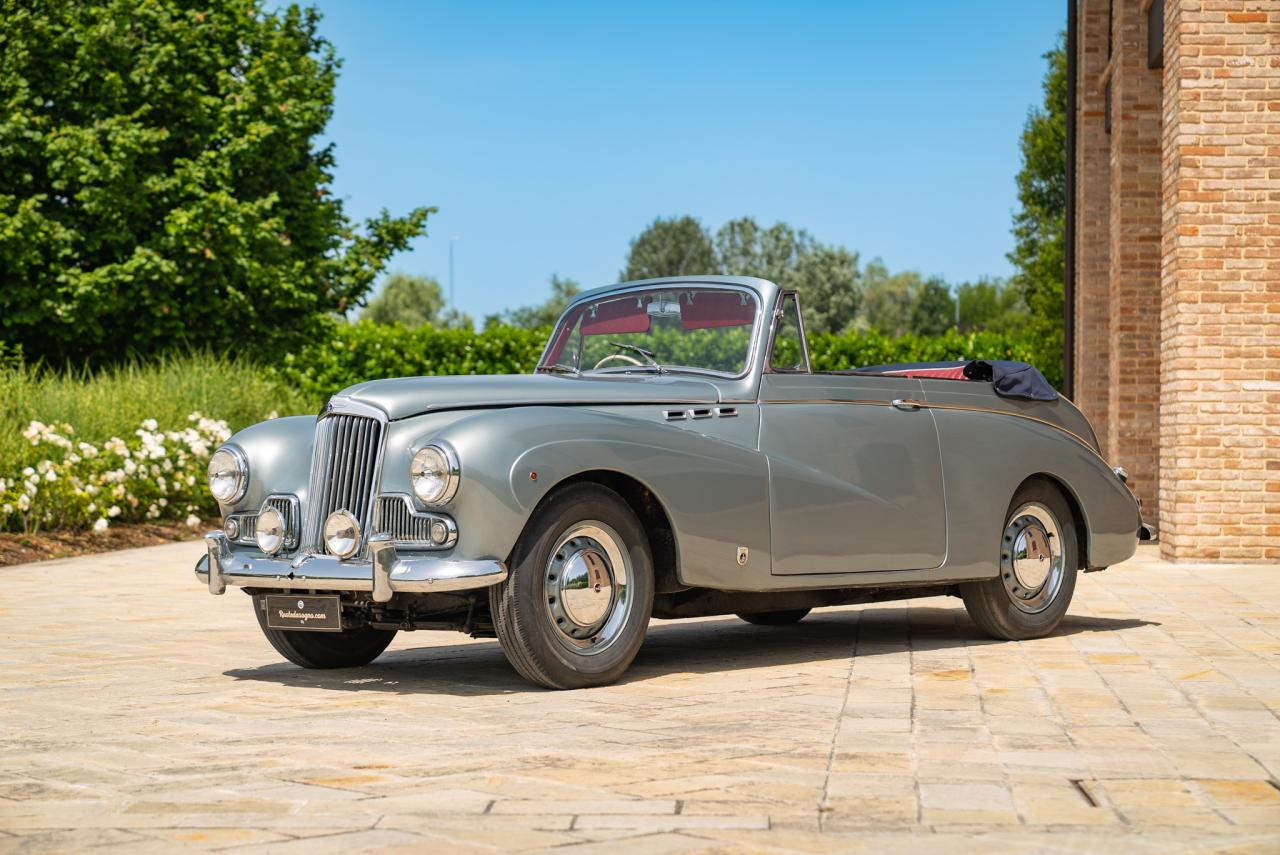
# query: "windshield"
655,331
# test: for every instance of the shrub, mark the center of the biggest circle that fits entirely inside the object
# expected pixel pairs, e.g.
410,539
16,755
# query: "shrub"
78,484
361,351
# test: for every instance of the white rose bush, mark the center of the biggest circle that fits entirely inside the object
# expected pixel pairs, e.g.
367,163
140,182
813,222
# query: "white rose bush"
154,474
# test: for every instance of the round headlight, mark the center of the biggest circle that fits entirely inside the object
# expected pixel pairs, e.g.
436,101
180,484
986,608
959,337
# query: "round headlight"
341,534
269,531
434,474
228,475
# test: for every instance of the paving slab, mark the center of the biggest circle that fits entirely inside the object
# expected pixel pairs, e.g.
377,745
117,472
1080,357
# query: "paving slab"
138,714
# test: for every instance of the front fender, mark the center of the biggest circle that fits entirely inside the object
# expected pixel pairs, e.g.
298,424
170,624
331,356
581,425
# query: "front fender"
279,455
715,492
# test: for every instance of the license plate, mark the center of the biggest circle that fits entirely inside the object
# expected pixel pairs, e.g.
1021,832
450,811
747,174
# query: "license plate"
317,614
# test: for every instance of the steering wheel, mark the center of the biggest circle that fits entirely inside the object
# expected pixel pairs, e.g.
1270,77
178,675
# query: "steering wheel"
621,357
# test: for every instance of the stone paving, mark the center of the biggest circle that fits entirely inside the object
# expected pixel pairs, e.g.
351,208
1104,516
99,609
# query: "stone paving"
139,713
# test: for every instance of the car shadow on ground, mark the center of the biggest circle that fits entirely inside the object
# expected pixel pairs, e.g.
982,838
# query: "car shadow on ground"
689,647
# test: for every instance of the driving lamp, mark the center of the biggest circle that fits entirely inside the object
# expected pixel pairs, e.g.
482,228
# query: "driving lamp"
434,474
341,534
269,531
228,475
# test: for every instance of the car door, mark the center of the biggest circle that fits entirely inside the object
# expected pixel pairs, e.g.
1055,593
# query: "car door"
855,479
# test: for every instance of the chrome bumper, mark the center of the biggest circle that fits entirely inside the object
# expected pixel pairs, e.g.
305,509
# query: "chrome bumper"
386,573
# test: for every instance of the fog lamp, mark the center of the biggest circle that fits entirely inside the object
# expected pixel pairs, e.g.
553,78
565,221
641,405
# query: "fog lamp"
269,531
439,532
341,534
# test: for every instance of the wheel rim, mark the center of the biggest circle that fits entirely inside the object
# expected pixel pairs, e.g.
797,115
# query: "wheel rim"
1032,563
588,588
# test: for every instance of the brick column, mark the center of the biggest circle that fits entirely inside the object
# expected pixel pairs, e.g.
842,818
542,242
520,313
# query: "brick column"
1093,220
1220,286
1135,176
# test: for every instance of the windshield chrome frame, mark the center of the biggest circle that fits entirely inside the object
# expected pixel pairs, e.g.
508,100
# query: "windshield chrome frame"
677,285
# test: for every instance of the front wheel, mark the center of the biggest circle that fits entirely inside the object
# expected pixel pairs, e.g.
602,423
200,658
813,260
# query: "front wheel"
1039,558
574,609
350,648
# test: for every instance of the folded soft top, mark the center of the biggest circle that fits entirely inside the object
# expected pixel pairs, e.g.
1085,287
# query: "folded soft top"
1009,379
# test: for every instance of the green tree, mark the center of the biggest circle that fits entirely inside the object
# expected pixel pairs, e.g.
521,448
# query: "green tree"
544,314
163,182
933,311
827,277
991,304
1039,225
830,286
887,299
413,301
744,249
406,299
678,246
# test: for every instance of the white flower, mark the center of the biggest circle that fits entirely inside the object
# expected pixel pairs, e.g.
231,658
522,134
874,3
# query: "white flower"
193,521
28,472
113,511
24,501
92,507
6,510
100,526
150,424
51,476
191,480
164,503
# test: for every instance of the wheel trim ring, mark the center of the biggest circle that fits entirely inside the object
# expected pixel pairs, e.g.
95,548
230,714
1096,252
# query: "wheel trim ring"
1032,593
601,539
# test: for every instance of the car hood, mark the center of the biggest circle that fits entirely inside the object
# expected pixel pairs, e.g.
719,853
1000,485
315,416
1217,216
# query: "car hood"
403,397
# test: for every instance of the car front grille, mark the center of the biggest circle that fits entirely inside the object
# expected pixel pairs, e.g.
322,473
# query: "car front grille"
394,515
343,470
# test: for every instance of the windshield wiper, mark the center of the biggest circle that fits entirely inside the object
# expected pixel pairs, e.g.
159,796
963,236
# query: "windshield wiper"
559,368
647,354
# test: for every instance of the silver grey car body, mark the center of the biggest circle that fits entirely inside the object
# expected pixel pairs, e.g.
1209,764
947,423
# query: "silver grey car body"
754,487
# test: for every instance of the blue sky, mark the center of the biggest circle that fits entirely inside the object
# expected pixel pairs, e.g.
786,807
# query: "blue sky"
550,133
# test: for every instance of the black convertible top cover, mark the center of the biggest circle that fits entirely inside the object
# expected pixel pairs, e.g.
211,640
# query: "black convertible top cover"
1009,379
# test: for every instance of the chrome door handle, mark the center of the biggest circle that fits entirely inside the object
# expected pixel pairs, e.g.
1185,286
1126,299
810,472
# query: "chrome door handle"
905,405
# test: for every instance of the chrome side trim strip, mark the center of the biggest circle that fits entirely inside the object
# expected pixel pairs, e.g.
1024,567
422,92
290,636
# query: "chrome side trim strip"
904,403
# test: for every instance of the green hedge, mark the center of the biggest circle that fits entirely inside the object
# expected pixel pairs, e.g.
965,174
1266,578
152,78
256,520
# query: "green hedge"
364,350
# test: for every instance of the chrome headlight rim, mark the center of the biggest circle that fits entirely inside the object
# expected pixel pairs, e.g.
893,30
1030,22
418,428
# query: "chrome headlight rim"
269,530
332,533
240,465
450,470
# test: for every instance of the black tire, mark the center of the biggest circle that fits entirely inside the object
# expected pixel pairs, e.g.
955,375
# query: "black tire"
783,618
350,648
993,604
522,606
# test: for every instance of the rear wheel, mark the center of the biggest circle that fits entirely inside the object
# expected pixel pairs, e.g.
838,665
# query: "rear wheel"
1039,558
574,609
782,618
350,648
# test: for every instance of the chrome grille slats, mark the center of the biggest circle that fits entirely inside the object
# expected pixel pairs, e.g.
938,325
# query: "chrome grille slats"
343,472
394,515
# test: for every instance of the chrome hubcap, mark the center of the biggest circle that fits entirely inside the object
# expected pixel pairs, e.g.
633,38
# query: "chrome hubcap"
587,587
1032,563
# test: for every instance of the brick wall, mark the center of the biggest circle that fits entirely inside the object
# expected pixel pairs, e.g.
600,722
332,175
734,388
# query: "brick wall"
1135,185
1093,217
1220,282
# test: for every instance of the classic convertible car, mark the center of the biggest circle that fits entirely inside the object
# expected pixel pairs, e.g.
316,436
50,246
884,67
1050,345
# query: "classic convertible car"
674,455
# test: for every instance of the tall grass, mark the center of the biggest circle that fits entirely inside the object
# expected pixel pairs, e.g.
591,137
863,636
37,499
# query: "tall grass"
112,402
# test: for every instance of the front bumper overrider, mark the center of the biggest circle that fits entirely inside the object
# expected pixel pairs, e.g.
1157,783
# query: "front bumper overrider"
384,574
